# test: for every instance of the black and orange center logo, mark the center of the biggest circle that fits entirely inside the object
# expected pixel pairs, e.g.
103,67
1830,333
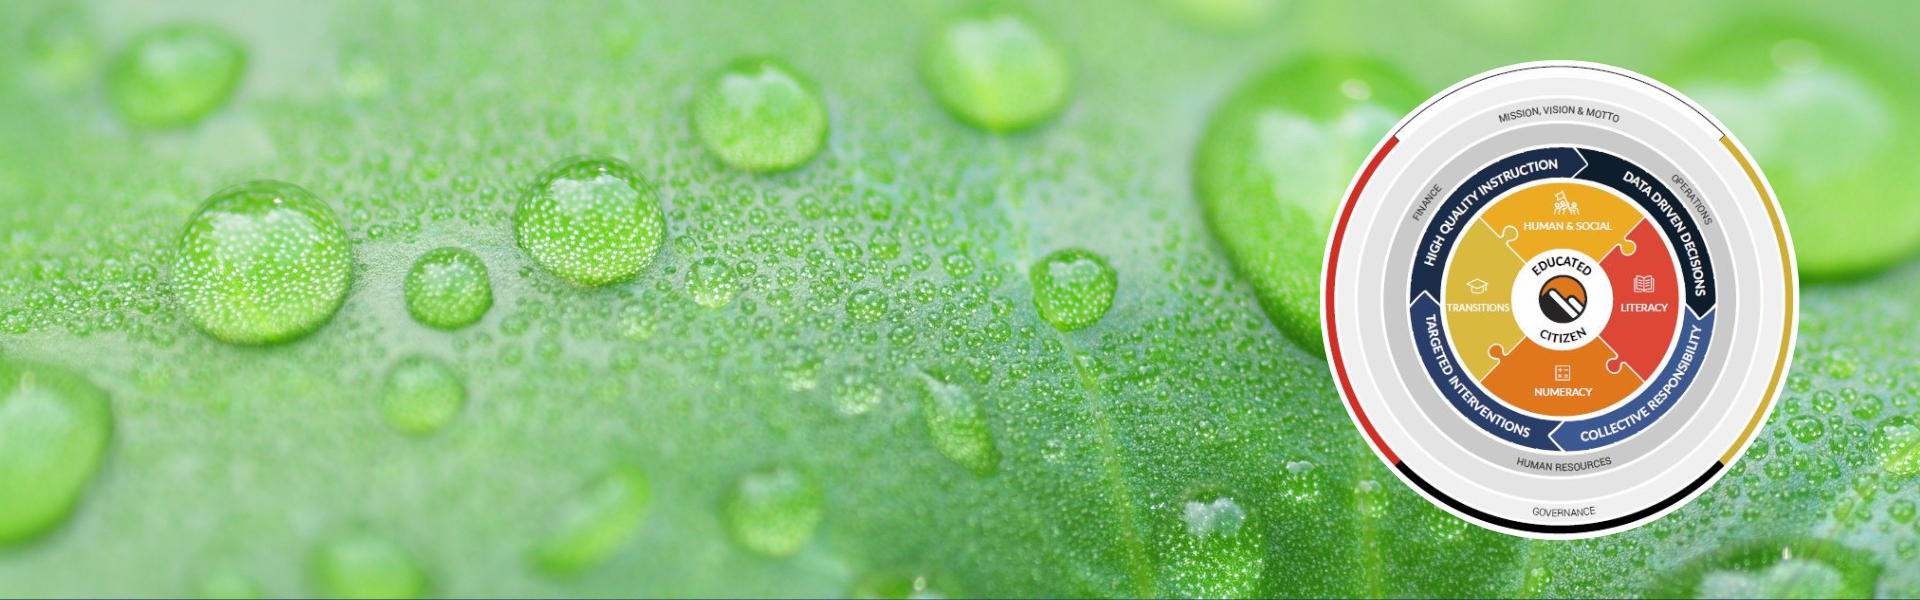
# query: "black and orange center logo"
1563,299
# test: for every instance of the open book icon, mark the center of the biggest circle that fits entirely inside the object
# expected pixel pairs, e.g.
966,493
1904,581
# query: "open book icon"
1643,284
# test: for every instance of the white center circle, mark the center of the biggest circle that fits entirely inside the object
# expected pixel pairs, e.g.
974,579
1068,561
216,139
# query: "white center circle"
1562,299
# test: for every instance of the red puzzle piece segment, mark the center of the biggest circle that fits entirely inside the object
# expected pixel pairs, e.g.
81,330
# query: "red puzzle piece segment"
1646,301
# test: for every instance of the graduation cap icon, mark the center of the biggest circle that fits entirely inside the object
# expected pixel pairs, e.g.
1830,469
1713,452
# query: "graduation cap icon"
1477,286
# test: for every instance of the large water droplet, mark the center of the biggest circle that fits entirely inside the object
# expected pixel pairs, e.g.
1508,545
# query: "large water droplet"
175,75
54,429
590,220
1832,124
1782,568
448,288
421,395
1272,167
1073,288
958,424
1219,554
363,565
774,512
757,115
262,262
1793,579
995,69
599,519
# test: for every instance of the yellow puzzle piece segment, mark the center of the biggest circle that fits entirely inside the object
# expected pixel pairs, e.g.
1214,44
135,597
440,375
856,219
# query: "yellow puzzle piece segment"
1477,297
1563,215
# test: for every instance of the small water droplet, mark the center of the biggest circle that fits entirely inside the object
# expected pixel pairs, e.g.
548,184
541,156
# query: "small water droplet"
448,288
175,75
63,46
774,512
958,264
362,78
591,221
757,115
711,282
867,305
1896,442
801,371
421,395
262,262
958,425
1053,450
54,429
1807,428
856,395
997,70
1073,288
886,585
599,519
363,565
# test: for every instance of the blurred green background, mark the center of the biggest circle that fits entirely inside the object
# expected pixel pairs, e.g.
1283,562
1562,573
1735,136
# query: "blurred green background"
844,373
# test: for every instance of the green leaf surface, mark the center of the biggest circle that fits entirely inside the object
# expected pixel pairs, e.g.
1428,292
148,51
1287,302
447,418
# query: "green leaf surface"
835,379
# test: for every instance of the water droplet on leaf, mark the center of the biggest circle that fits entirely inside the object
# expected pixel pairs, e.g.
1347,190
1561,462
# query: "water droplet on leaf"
54,429
1778,568
1896,442
856,395
757,115
63,46
175,75
448,288
597,521
896,586
711,282
867,305
997,70
1220,553
1830,123
958,425
262,262
1073,288
774,512
591,221
362,565
421,395
1272,167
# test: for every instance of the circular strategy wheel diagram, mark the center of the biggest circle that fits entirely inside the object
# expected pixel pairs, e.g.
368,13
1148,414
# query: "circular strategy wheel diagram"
1559,300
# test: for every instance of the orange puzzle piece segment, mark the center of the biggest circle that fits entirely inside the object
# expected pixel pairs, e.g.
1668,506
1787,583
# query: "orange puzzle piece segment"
1556,383
1564,214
